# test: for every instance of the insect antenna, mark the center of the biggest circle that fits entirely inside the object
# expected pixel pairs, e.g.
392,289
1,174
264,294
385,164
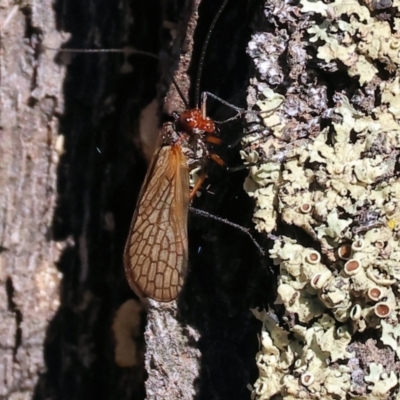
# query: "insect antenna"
203,54
128,51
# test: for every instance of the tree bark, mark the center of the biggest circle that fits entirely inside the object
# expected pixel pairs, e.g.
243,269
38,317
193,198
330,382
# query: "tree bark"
72,166
203,345
30,149
70,176
76,130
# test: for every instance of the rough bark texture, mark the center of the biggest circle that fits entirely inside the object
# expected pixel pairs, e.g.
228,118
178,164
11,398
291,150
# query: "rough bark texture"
31,96
70,176
204,345
172,359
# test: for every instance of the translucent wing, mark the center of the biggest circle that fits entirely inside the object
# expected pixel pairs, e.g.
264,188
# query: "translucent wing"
156,252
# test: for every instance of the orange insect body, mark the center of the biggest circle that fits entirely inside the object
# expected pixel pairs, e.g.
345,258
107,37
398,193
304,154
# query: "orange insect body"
193,119
156,252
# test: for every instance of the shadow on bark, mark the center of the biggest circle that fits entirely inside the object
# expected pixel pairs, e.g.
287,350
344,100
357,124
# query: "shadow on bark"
99,178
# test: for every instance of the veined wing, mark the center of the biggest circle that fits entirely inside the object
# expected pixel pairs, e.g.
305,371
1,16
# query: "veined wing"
156,252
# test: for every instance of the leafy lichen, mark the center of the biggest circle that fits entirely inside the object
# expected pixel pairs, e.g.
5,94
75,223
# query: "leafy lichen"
328,165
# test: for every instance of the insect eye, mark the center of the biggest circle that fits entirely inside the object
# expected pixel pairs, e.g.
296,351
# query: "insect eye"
189,122
209,126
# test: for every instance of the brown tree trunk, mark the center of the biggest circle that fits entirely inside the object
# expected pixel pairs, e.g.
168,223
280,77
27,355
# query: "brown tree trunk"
30,150
203,345
70,175
72,167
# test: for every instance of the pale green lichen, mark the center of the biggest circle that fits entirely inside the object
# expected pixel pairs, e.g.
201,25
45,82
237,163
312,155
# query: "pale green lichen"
338,185
380,381
375,41
269,106
273,361
391,336
306,354
391,96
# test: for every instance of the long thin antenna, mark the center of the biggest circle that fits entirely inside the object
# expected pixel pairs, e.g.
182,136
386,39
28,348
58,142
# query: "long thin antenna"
128,51
203,53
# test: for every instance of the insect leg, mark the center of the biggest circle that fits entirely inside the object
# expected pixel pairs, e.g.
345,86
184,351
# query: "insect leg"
198,184
239,111
212,139
217,159
227,222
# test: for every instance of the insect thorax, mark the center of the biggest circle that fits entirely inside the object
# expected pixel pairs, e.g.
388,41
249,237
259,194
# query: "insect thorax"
192,144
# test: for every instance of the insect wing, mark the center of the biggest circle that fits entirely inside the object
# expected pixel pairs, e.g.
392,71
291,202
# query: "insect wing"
156,252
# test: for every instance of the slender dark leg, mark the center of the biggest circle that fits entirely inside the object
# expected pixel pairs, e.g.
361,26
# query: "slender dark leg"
226,222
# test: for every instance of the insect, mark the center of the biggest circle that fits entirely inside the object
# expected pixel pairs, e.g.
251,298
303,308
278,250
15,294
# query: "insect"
156,251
